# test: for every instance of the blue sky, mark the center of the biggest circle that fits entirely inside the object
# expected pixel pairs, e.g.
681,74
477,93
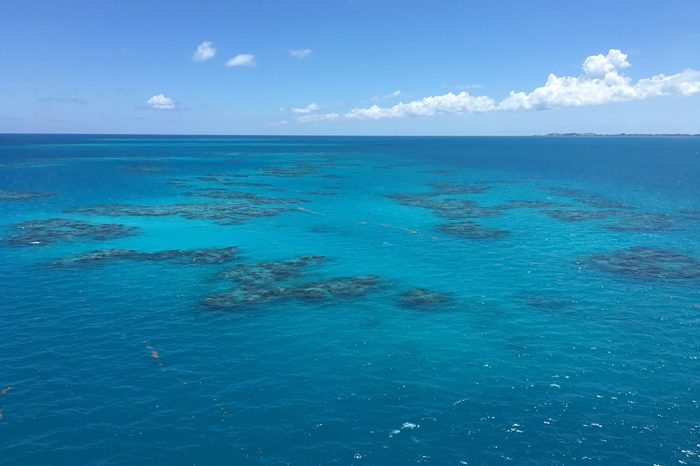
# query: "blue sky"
357,67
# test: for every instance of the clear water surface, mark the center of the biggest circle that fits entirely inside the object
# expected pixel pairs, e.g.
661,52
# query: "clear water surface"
480,301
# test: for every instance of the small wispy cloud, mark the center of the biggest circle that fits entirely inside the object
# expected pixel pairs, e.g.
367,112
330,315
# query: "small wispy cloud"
467,86
63,100
242,59
300,53
320,117
312,107
204,52
391,95
161,102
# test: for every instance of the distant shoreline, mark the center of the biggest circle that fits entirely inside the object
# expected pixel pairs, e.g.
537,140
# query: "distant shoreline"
623,134
165,135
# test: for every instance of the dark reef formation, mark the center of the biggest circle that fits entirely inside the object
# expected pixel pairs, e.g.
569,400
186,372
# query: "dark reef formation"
266,273
7,195
224,180
633,221
263,282
146,169
225,213
251,198
460,188
338,287
589,199
290,172
446,208
197,256
645,263
691,214
46,231
423,298
579,215
472,230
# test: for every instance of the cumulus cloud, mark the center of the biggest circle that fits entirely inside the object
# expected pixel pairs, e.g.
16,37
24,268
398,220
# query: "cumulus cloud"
601,83
312,107
242,59
300,53
161,102
204,52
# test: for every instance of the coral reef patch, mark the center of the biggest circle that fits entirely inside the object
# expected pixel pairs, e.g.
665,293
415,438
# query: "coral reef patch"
46,231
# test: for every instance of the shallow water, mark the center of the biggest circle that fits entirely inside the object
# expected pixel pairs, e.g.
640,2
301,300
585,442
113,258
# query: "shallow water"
562,328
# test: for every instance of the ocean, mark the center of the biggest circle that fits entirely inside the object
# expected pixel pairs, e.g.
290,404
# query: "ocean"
349,300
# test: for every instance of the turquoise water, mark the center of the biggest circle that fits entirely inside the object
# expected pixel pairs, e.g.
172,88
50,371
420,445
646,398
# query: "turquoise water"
477,300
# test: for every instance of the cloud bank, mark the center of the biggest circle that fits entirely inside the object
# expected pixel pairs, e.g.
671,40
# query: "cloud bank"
602,82
161,102
242,59
204,52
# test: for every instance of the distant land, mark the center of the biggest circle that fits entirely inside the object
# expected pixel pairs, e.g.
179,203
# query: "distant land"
621,134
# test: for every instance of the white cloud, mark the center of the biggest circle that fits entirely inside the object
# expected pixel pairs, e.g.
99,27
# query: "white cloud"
390,95
300,53
161,102
320,117
242,59
601,83
427,106
312,107
600,65
204,52
468,86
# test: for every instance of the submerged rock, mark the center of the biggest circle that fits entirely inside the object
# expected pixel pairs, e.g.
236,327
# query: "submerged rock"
423,298
46,231
647,263
199,256
7,195
472,230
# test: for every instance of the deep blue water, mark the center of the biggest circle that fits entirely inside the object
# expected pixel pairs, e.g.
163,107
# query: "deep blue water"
556,321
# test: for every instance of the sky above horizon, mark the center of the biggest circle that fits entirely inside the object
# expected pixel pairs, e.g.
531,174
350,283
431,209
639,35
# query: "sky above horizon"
350,67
